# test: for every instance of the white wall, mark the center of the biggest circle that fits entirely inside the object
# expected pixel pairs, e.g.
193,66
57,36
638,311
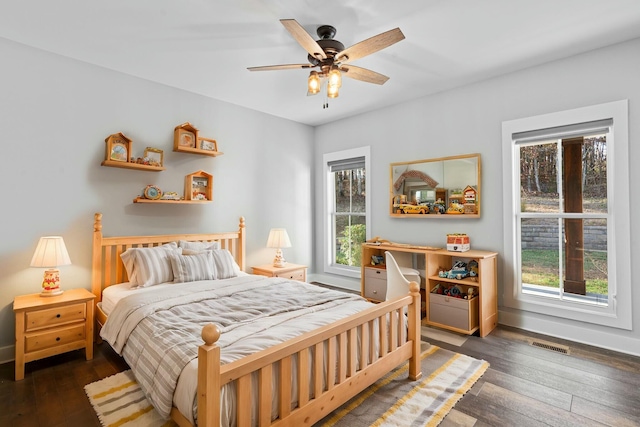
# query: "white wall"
468,120
54,116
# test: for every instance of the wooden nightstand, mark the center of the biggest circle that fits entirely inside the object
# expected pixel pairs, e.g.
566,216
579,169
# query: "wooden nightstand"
46,326
290,271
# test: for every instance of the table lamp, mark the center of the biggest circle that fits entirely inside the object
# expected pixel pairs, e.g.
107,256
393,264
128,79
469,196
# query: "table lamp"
278,238
50,253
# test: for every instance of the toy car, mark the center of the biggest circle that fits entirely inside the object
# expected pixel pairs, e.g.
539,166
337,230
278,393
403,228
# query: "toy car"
413,209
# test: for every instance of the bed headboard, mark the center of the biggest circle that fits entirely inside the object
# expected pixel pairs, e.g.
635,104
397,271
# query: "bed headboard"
108,269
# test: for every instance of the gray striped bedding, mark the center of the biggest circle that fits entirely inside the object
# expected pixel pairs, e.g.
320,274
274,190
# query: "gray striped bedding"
158,334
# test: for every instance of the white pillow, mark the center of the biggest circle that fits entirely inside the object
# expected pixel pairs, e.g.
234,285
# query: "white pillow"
225,265
198,246
149,266
189,268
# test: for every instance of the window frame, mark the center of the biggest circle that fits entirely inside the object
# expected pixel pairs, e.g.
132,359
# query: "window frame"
328,191
618,313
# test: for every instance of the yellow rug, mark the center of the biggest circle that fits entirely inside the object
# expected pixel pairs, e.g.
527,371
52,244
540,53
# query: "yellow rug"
119,401
391,401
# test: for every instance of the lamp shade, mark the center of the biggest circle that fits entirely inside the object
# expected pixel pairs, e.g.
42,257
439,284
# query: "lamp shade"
278,238
50,252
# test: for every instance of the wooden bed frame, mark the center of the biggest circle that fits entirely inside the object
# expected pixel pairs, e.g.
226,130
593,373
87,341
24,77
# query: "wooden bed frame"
353,359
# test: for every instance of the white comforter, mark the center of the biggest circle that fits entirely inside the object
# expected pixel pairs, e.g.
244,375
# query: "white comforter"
158,333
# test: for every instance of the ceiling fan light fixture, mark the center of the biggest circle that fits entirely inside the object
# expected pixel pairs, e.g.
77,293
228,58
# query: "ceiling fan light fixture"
313,84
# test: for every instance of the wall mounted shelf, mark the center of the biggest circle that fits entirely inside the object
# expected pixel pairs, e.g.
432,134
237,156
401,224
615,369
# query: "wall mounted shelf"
171,202
200,151
129,165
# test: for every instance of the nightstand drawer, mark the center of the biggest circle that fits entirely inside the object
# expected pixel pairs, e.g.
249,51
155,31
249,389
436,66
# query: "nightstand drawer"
54,316
54,338
293,275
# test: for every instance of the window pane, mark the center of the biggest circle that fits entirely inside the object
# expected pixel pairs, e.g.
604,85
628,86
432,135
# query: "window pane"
540,256
350,233
593,257
594,169
539,178
350,190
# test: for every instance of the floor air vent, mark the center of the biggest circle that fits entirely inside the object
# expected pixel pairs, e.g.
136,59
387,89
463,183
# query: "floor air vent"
551,346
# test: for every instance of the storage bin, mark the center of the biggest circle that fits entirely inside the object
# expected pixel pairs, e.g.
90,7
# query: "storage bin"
455,312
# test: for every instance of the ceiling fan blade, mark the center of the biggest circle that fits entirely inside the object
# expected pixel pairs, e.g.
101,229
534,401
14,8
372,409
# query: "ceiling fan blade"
370,45
363,74
280,67
303,38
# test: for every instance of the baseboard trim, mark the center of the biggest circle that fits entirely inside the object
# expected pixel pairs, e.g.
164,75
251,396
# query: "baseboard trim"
584,335
340,282
7,354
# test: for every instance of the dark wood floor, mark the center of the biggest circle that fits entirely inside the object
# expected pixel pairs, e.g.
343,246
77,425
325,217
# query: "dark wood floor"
525,386
531,386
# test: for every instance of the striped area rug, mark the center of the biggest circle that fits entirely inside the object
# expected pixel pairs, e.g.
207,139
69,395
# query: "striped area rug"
391,401
395,401
119,401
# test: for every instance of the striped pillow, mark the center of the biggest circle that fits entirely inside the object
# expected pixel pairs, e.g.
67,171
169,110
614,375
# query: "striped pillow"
198,246
149,266
189,268
226,266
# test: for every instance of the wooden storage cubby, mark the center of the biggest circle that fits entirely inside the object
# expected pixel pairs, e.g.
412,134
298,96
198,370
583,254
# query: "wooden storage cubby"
479,314
482,310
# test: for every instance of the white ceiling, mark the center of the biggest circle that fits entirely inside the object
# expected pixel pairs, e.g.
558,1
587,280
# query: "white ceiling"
205,46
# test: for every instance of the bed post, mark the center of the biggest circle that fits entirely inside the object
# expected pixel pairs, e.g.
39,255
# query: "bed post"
414,332
96,265
209,378
241,245
96,286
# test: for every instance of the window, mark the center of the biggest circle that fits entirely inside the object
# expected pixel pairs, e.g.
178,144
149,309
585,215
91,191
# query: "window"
346,222
567,214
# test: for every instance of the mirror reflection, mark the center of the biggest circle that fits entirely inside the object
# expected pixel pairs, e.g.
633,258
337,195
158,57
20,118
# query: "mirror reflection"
444,186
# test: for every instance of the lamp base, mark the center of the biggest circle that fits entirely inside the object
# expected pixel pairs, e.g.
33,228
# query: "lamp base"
51,293
279,260
51,283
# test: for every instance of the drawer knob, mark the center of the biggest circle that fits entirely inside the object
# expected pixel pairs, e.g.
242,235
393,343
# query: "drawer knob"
58,315
57,338
375,292
377,272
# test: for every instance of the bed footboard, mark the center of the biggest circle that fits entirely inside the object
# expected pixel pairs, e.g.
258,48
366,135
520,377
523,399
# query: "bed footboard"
356,351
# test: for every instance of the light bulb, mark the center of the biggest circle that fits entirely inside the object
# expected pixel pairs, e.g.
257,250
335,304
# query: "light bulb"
313,85
335,78
332,91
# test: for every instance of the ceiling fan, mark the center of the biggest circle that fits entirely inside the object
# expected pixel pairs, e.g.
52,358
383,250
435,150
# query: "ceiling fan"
331,58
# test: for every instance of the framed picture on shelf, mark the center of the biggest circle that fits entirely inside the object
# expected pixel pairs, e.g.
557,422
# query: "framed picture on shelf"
207,144
185,136
118,148
198,185
154,155
187,139
199,188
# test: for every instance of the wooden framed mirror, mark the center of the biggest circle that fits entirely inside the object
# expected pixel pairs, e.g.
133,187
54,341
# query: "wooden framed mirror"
447,187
